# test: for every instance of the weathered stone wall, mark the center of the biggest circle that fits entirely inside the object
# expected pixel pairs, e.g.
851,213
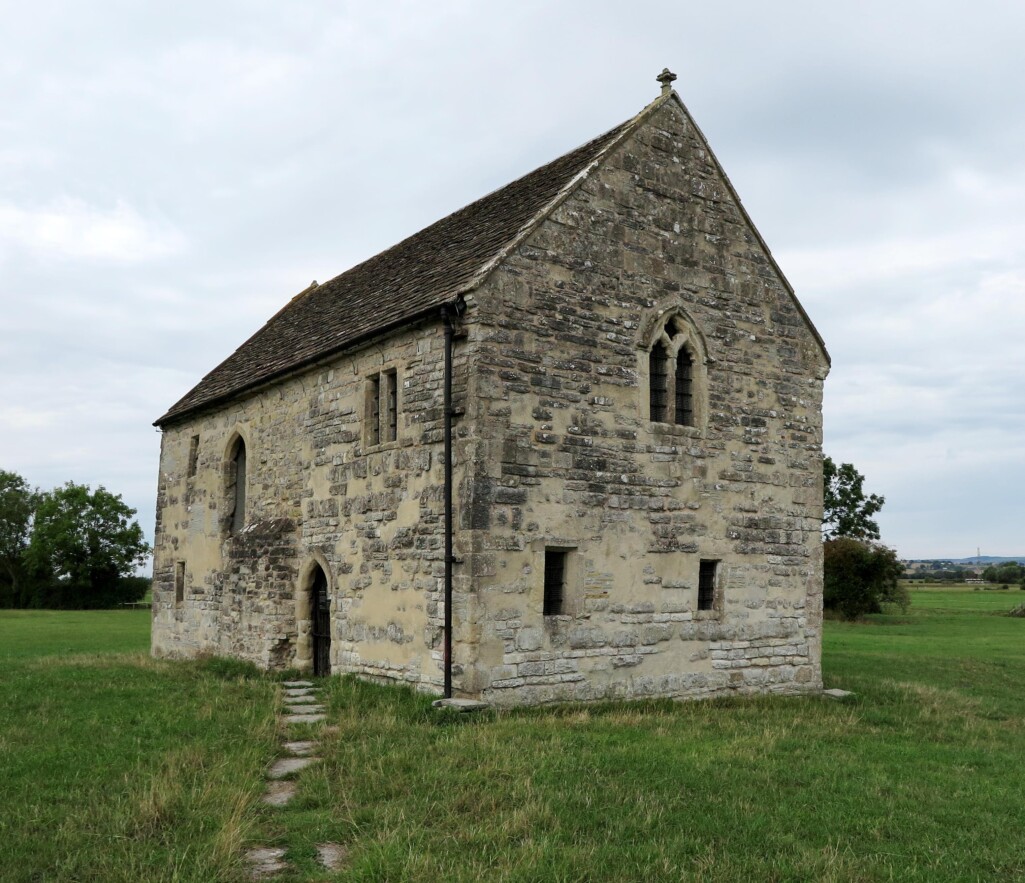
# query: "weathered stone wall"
370,515
555,449
560,451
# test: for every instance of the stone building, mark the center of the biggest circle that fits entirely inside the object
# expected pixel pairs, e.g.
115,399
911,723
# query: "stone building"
630,397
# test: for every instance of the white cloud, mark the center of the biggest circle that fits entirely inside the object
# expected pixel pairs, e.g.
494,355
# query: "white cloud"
69,229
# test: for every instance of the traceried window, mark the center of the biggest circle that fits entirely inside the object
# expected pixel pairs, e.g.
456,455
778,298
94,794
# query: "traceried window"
674,364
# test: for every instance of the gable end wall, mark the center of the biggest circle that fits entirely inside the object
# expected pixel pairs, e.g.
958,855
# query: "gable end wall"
563,453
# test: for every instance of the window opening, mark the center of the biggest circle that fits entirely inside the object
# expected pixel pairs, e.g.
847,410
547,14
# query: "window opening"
238,468
374,417
684,401
555,582
706,585
179,582
391,405
658,380
193,455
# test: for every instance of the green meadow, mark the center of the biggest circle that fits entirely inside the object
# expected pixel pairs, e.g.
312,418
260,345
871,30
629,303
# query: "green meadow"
117,767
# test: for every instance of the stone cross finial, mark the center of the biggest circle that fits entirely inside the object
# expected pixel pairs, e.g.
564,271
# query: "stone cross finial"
666,79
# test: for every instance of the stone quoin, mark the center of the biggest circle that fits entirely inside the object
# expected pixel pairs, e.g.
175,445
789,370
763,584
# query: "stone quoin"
636,461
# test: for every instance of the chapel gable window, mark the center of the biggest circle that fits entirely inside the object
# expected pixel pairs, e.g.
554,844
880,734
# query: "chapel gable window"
675,374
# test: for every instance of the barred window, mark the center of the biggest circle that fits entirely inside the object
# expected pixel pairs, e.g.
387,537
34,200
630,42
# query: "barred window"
555,582
382,407
658,383
684,415
706,585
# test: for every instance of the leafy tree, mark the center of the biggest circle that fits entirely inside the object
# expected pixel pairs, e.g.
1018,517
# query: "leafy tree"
860,577
17,503
847,512
1005,572
83,546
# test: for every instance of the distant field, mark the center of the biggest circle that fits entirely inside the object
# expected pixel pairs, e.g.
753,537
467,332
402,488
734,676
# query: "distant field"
118,768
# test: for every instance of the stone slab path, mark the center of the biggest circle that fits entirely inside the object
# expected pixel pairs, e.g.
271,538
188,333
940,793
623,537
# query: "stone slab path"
301,705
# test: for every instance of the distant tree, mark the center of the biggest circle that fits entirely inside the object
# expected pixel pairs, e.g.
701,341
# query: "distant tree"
847,511
17,503
1005,572
860,577
83,545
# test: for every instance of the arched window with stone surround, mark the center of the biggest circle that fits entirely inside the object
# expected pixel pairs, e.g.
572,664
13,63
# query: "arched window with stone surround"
676,373
237,481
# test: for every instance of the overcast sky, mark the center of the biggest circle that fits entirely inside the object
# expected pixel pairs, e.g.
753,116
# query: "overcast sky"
171,175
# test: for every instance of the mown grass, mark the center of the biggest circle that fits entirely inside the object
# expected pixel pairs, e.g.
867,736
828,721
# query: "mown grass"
918,777
114,767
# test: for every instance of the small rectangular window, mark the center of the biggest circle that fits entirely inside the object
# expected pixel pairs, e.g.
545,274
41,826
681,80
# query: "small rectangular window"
383,407
555,582
179,582
706,585
193,455
390,430
374,410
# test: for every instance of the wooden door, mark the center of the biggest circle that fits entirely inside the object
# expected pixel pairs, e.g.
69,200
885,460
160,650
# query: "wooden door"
320,609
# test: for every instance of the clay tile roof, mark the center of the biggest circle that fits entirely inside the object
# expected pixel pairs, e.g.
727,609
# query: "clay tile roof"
397,286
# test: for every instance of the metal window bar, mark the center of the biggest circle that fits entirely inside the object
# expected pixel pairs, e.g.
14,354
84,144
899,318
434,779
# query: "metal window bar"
555,582
391,405
684,397
658,380
374,417
706,585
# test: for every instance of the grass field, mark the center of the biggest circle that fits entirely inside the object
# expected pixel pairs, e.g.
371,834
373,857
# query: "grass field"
115,767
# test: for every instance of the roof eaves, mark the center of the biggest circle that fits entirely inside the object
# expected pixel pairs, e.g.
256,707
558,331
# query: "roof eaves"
176,414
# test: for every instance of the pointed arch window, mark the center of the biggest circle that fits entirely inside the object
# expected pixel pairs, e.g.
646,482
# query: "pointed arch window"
237,480
675,374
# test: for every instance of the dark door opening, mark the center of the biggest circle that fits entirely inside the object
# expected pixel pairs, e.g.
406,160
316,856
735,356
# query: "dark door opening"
320,613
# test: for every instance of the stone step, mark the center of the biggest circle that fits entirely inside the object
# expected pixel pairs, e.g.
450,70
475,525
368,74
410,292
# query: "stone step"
298,683
332,855
279,793
304,709
301,749
265,862
300,692
286,766
304,718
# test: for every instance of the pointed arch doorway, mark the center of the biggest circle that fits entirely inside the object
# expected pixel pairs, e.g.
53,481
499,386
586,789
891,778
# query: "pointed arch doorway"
320,616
